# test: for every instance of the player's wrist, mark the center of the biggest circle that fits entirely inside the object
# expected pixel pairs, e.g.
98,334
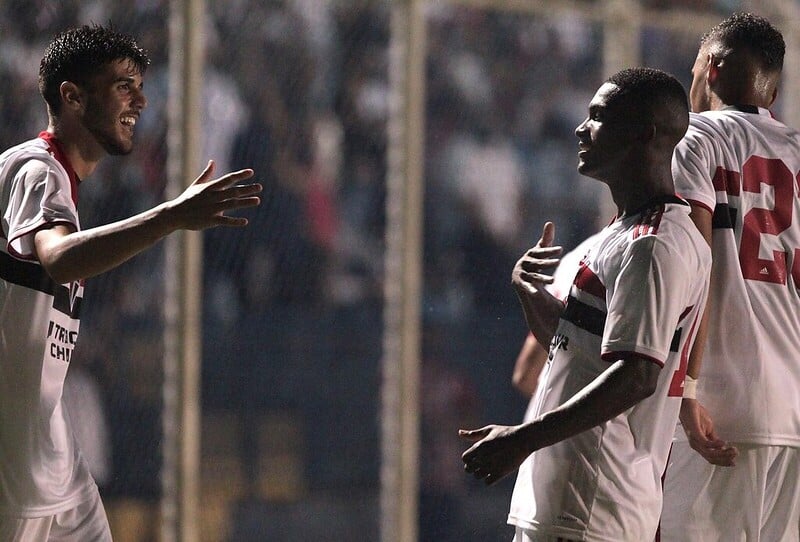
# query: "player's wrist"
689,387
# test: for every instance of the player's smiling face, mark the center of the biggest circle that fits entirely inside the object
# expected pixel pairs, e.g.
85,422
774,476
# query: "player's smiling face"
604,137
114,101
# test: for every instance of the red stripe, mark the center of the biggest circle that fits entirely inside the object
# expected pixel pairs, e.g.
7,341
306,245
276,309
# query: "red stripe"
726,181
588,282
649,222
58,152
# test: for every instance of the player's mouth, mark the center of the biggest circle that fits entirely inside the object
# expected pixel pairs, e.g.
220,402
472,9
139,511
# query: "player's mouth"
128,120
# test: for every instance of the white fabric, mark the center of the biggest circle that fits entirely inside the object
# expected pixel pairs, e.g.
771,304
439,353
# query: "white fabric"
646,278
750,375
562,282
86,522
41,470
744,503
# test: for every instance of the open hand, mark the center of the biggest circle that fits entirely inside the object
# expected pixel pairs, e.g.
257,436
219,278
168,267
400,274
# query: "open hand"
204,203
528,272
699,429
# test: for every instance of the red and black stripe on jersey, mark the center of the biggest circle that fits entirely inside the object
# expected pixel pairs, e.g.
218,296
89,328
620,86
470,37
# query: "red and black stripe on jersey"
593,319
33,276
582,314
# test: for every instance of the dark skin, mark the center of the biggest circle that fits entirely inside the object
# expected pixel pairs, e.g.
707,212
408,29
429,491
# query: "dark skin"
634,159
719,79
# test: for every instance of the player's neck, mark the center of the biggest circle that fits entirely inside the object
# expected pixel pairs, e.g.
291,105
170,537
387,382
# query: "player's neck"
80,149
630,197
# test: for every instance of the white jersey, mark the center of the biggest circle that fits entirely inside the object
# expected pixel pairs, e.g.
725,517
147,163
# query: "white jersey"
640,290
745,168
41,470
562,283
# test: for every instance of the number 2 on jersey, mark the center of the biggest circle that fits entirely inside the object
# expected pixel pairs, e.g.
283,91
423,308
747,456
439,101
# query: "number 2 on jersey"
757,221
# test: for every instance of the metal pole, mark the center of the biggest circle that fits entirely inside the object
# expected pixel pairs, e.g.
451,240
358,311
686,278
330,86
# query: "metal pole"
403,281
183,284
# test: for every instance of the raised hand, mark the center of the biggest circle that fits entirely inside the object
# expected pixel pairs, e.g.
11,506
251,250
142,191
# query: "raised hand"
204,203
699,429
528,272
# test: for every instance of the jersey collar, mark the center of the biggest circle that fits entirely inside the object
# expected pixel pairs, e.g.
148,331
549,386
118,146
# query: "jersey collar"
58,153
744,108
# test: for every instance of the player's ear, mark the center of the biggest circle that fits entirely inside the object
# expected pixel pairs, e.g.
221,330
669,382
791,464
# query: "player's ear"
71,95
713,67
774,96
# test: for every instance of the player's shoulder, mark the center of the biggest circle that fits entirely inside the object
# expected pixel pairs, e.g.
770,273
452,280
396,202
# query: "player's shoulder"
666,223
31,150
32,157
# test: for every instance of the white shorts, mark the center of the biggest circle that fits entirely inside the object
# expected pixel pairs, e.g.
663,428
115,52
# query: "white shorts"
758,500
86,522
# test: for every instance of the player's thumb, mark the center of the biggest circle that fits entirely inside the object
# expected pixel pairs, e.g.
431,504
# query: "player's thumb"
548,235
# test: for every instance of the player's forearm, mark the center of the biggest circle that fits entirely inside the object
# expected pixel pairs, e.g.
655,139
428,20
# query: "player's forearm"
696,354
542,311
623,385
702,219
83,254
528,366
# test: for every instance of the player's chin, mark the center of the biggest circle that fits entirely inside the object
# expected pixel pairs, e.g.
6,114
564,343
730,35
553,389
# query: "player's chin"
584,168
119,147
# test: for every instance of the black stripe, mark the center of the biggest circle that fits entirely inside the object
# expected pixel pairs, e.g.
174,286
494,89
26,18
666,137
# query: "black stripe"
676,340
33,276
654,202
584,316
27,274
724,216
744,108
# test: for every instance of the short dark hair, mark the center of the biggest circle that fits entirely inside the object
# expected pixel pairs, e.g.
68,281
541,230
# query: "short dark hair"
79,53
652,95
648,87
750,33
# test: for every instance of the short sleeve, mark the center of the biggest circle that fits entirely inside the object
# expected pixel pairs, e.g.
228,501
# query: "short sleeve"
647,301
39,195
693,167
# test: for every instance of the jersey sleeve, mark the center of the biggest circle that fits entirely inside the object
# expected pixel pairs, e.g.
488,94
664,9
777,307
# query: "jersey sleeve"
39,195
693,166
647,302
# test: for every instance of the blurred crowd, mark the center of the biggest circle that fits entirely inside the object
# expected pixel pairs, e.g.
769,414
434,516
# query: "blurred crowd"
298,90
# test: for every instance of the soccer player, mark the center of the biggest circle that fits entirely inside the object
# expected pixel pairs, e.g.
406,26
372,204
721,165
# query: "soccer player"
592,458
91,80
740,169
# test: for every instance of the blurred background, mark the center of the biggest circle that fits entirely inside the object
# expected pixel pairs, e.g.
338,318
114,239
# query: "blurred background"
293,306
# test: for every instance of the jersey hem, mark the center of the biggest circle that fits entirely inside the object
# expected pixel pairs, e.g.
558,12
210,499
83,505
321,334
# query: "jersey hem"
30,512
757,440
545,530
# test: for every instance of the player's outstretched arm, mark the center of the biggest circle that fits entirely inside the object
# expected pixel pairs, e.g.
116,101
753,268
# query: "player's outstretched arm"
540,307
69,255
500,450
